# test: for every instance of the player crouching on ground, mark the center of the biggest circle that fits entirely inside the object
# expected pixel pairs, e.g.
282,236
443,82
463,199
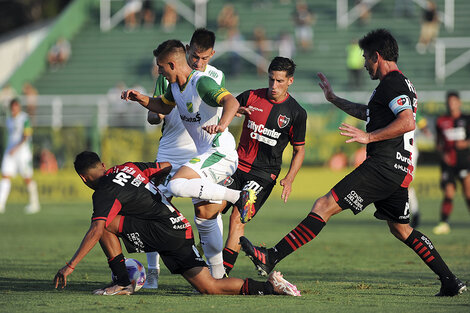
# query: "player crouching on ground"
127,204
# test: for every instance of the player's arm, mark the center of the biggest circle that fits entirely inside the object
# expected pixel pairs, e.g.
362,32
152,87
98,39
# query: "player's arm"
161,86
157,105
357,110
298,155
27,133
215,95
401,125
92,236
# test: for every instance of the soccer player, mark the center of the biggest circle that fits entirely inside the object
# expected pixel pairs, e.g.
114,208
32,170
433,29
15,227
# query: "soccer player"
127,204
175,145
275,119
383,178
18,157
206,109
453,146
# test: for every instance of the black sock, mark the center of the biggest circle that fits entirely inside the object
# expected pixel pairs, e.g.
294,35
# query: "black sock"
256,288
230,257
428,253
446,209
118,267
299,236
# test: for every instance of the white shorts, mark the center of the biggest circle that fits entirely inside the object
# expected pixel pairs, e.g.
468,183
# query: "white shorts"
215,165
21,162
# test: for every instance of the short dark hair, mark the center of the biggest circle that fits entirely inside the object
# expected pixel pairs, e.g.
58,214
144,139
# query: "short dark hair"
13,101
282,64
167,47
202,39
452,93
382,41
86,160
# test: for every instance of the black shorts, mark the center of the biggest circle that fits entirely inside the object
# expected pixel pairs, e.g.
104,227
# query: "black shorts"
241,180
450,174
177,251
368,184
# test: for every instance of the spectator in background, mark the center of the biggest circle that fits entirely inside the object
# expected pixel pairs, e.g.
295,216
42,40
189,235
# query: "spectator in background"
131,9
169,18
18,158
59,53
261,48
304,20
429,28
227,19
31,96
355,64
148,13
364,11
453,146
286,45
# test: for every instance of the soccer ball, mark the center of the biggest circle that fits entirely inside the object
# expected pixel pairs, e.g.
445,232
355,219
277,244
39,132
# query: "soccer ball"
136,273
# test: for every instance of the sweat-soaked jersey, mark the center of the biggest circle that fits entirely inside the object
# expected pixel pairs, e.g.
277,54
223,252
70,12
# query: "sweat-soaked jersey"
127,190
266,132
394,94
449,130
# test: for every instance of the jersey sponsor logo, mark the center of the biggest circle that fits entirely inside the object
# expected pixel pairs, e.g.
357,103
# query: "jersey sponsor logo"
194,160
402,158
282,121
227,181
252,108
261,129
251,184
196,119
189,106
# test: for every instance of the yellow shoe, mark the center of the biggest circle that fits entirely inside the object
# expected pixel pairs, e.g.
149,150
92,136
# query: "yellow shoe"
442,228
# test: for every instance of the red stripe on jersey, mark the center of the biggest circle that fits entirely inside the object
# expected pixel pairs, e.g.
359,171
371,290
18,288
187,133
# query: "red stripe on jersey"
426,254
417,246
414,241
333,193
422,250
121,224
298,143
99,218
113,212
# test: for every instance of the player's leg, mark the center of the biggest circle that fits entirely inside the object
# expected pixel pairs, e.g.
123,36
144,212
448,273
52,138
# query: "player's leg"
425,249
153,270
9,170
448,186
33,206
210,228
266,259
25,168
200,278
232,245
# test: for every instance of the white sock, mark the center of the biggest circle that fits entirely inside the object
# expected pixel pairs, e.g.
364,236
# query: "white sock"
202,189
210,233
33,193
414,208
5,186
153,260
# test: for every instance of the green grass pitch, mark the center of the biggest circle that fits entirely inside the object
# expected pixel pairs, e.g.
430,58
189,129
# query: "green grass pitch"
354,265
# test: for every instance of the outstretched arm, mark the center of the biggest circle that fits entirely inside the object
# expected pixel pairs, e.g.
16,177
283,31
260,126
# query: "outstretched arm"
354,109
152,104
298,156
92,236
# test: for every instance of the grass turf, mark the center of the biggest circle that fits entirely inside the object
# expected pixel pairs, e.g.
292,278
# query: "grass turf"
354,265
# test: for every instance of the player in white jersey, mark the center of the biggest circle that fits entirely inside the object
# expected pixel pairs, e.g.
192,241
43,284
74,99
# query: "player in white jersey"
18,157
176,145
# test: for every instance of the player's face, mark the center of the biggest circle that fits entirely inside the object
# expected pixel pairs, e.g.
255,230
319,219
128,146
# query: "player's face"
15,109
371,64
165,69
453,104
93,175
198,59
278,85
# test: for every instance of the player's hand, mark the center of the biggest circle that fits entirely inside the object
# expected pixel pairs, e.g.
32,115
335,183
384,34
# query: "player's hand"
356,134
130,94
213,129
286,188
326,87
461,144
60,279
243,111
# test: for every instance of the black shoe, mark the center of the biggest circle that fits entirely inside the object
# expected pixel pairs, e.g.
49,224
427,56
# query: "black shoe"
414,223
451,286
258,255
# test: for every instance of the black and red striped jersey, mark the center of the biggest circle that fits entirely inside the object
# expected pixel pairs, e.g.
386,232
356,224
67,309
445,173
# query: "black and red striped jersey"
128,190
394,94
449,130
267,130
